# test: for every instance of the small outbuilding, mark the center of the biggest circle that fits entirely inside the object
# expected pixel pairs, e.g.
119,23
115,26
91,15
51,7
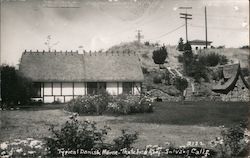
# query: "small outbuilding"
232,86
62,76
199,44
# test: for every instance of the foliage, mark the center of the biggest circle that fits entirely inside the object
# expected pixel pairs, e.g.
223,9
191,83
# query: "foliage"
244,47
160,55
213,59
22,148
104,103
16,89
96,104
245,71
234,141
147,43
157,79
181,83
74,135
199,71
187,47
128,104
180,46
180,58
145,70
85,135
126,140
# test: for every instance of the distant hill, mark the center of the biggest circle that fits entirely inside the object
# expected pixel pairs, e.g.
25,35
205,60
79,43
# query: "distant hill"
145,53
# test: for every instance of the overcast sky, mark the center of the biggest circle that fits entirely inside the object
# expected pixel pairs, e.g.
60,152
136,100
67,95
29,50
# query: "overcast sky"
99,24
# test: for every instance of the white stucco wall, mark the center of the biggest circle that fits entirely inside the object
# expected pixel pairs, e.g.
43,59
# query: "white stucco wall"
56,88
66,93
48,99
79,89
47,88
111,88
67,88
120,88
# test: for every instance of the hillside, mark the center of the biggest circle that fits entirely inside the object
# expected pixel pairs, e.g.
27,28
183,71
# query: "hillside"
234,55
167,91
145,53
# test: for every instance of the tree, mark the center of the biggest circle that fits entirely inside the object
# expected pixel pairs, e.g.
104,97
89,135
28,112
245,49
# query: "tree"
14,87
181,84
160,55
187,47
180,46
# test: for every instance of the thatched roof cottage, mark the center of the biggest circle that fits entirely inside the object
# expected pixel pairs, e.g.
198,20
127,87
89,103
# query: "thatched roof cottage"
62,76
232,86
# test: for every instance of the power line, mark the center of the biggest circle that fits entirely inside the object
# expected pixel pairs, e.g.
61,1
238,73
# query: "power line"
165,34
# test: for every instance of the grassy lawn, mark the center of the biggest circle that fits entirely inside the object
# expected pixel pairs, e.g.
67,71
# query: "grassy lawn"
171,122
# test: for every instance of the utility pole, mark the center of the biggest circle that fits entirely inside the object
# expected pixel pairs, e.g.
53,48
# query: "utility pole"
139,36
206,24
186,16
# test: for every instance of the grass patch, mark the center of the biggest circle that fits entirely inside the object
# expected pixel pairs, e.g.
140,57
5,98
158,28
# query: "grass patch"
195,113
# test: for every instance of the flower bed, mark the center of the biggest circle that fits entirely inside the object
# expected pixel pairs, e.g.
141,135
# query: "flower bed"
104,103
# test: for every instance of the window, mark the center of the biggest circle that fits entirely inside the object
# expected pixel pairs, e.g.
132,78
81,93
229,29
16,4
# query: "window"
95,87
127,87
37,90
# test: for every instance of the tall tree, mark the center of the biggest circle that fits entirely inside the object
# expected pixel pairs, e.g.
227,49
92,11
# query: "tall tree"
180,46
14,87
159,56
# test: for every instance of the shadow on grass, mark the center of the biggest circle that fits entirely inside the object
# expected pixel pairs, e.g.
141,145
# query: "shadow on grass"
195,113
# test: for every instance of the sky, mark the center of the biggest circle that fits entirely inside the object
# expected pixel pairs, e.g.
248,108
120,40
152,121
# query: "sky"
100,24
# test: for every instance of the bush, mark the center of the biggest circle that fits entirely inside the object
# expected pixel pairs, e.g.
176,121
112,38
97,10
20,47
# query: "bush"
213,59
75,135
129,104
157,79
126,140
104,103
96,104
145,70
245,71
234,141
180,58
160,55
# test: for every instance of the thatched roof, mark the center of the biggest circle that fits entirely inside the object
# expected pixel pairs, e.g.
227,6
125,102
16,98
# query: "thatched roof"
231,74
87,67
199,42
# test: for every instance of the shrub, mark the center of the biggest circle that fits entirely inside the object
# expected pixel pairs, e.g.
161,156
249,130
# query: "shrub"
180,58
180,46
129,104
157,79
74,135
213,59
104,103
160,55
145,70
234,141
245,71
126,140
96,104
